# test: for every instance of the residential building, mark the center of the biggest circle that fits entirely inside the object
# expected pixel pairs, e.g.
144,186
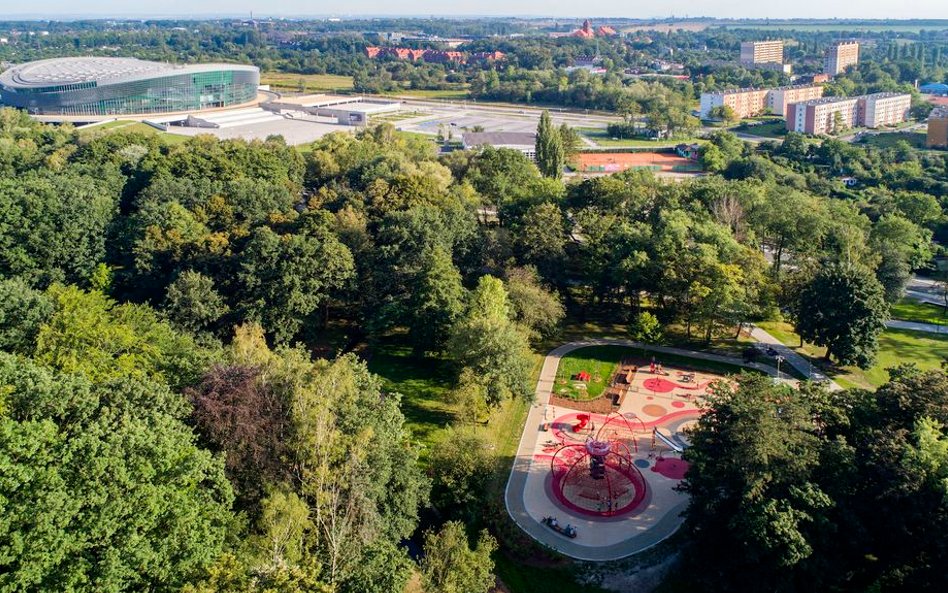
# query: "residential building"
938,128
840,56
823,116
779,98
761,52
525,142
884,109
744,102
752,102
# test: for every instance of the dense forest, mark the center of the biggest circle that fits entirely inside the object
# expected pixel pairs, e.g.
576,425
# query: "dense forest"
186,403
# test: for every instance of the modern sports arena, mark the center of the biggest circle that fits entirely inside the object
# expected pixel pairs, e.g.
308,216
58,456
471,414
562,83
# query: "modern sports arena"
124,86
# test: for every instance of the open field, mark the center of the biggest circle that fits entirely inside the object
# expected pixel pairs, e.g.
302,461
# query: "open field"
896,346
909,310
306,83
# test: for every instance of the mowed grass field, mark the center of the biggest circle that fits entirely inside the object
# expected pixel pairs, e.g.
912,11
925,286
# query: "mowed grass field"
306,83
124,125
909,310
896,346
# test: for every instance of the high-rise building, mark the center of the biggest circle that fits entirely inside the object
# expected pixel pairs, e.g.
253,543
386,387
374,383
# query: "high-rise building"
938,128
840,56
761,52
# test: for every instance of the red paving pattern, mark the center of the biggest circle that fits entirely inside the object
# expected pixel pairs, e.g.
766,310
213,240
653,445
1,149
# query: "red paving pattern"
660,385
671,467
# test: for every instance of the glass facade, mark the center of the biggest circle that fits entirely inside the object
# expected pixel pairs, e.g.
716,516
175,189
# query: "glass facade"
163,93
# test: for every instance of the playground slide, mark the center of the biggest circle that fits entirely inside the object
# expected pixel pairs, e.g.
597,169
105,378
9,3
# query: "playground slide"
667,439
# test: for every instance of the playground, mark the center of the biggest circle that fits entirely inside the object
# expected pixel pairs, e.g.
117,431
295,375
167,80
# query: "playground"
601,476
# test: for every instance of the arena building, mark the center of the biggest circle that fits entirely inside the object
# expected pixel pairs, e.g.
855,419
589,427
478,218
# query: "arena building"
90,86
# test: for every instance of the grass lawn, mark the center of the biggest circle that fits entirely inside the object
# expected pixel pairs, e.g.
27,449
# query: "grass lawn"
601,137
306,83
424,384
771,129
909,310
124,125
890,139
896,346
599,361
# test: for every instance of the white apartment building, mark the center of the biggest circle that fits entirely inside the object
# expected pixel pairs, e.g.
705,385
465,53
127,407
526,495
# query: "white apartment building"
818,116
884,109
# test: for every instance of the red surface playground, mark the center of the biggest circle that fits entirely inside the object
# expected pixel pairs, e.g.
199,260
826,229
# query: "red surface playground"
610,477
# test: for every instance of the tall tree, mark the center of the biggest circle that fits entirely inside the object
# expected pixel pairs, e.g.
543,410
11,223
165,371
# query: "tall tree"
493,347
843,308
550,154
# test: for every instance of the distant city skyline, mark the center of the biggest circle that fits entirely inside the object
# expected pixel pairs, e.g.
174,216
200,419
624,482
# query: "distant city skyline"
821,9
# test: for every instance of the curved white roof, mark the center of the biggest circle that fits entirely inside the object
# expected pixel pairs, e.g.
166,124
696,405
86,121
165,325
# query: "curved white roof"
60,71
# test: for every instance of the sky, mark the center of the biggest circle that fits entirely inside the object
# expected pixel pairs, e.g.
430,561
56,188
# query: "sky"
895,9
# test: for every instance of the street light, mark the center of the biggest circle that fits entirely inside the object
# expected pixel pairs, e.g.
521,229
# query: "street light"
779,360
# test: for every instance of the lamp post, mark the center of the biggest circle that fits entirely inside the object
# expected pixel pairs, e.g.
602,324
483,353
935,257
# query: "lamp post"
779,360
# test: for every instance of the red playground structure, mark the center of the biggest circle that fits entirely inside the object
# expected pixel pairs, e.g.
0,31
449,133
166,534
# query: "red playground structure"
598,477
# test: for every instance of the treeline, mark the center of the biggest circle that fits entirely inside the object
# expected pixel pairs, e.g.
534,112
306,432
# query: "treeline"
814,491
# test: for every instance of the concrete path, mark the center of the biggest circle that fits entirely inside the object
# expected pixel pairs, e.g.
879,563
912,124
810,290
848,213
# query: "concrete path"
802,365
932,328
514,493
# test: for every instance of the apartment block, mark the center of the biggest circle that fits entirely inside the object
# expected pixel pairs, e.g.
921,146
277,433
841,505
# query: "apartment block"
752,102
744,102
761,52
884,109
830,114
823,116
779,98
938,128
840,56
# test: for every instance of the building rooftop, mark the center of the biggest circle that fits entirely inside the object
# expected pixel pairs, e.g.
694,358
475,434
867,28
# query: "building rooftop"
500,138
940,112
828,100
64,71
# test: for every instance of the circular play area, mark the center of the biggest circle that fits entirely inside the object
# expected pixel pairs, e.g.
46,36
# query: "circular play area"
600,486
598,477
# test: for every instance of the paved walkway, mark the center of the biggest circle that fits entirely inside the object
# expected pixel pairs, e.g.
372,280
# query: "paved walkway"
932,328
802,365
514,493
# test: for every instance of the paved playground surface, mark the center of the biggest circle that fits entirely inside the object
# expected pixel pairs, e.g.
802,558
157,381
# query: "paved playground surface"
623,522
